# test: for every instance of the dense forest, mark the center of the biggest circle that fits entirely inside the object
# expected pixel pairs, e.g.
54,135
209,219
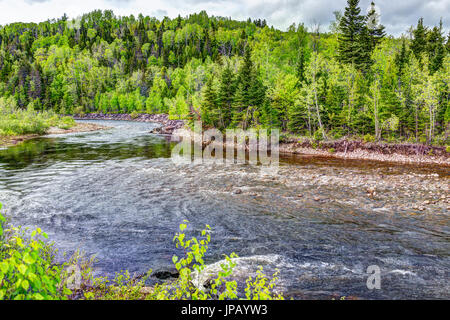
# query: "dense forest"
350,80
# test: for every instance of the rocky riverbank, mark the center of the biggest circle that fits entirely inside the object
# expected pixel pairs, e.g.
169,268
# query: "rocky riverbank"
343,148
353,149
358,150
168,125
79,127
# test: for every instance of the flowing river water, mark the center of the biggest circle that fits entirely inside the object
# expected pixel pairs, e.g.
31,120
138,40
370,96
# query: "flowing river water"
320,221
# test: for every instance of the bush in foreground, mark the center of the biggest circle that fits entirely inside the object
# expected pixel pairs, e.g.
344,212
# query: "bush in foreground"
29,271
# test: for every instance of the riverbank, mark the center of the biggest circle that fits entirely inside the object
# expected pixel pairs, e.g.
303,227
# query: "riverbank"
168,125
360,150
342,148
8,141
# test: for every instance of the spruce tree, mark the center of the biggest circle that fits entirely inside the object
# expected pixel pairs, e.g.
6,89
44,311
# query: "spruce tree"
225,94
350,27
401,58
257,91
242,99
300,72
375,29
419,42
239,105
296,115
447,45
365,57
436,48
210,112
250,92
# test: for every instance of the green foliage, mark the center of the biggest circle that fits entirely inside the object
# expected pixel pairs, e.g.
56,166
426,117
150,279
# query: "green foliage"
261,288
192,265
419,42
368,138
122,287
350,38
232,74
318,135
134,114
27,266
28,270
14,121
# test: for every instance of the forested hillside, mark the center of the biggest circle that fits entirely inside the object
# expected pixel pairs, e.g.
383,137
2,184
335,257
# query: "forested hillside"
351,80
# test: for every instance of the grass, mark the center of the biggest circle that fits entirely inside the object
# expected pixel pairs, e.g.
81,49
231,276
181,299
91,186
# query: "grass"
20,122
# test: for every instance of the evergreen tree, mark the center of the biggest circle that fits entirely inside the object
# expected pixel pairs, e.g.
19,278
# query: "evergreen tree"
419,42
401,58
210,113
225,94
366,44
243,99
350,27
447,45
436,48
300,72
375,30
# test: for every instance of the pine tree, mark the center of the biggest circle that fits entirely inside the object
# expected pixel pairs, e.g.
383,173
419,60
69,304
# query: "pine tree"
365,57
419,42
225,94
375,29
401,58
300,72
435,48
242,99
210,112
350,27
447,45
250,93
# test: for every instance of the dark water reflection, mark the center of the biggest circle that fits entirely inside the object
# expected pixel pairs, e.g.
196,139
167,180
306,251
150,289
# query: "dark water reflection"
117,194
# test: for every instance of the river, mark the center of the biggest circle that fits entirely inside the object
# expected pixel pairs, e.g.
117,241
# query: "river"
117,194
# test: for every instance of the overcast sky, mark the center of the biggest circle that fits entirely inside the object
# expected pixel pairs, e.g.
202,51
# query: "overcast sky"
396,15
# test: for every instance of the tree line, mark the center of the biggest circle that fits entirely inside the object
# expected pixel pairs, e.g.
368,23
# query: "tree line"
352,80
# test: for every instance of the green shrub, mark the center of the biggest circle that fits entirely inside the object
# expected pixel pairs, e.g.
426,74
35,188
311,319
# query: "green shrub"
134,114
318,135
28,271
79,110
192,264
122,287
368,138
447,149
65,123
14,121
27,267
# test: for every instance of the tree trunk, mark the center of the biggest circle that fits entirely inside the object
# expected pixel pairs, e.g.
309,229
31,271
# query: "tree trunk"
417,124
318,114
